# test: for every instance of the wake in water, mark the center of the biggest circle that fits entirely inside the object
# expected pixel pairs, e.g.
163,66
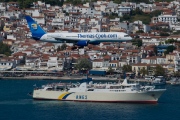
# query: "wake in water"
17,102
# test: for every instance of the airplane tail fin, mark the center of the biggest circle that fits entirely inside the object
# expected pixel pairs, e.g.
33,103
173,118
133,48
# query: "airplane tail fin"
36,30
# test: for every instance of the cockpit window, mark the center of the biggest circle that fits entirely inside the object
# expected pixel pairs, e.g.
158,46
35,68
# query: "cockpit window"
126,36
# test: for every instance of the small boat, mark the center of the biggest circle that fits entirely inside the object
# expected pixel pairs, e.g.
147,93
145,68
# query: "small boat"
159,80
175,81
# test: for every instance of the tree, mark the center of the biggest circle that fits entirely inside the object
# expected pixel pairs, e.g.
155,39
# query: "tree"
177,74
137,42
25,3
2,24
143,71
155,13
113,15
59,48
138,11
155,50
170,41
164,34
62,47
177,32
159,70
127,68
5,49
140,31
83,64
110,70
126,17
170,49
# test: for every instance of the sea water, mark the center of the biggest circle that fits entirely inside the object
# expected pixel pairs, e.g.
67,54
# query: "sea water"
15,104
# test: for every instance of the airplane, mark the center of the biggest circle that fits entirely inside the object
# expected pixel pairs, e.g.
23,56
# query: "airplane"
79,39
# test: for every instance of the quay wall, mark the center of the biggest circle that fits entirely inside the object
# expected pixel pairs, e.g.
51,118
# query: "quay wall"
71,78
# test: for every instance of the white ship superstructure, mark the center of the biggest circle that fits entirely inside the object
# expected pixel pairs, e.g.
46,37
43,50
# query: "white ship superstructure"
89,92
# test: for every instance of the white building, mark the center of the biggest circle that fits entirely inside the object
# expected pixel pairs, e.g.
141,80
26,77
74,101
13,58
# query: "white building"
177,63
87,11
175,26
11,36
5,65
123,10
167,18
161,60
35,13
52,62
32,61
58,22
149,60
2,8
150,41
39,20
133,59
98,63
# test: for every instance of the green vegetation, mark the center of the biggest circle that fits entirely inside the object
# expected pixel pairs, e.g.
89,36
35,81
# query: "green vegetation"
163,0
136,1
170,41
112,15
139,15
5,49
177,74
83,64
28,3
143,71
127,68
76,2
159,71
137,42
146,19
62,47
164,34
110,70
177,32
170,49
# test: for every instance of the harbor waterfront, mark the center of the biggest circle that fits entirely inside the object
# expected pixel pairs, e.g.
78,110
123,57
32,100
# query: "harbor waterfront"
16,104
42,75
95,78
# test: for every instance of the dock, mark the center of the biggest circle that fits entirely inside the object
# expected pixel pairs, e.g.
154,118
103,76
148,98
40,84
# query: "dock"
95,78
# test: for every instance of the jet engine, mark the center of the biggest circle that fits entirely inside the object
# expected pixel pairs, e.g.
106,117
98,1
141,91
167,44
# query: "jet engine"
94,42
82,43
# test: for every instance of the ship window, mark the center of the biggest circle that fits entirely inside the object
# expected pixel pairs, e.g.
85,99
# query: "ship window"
126,35
90,89
49,88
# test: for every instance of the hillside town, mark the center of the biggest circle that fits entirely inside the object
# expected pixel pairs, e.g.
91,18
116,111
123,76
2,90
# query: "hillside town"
30,55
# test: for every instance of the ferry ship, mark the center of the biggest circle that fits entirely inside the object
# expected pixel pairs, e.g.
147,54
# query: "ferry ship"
94,92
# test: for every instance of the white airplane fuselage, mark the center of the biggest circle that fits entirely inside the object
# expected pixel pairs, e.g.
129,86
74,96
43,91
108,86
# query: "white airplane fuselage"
90,37
79,39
